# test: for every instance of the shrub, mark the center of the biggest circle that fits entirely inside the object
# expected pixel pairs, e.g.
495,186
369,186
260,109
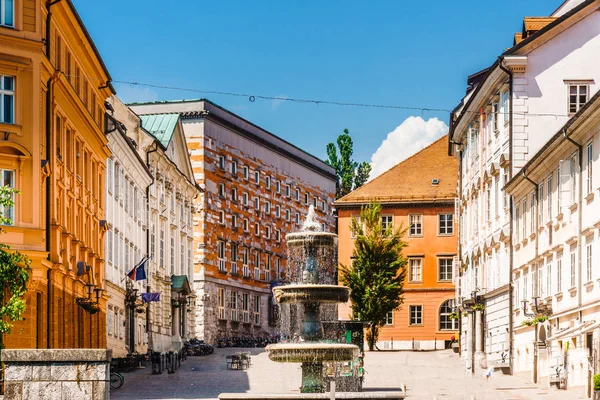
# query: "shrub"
597,382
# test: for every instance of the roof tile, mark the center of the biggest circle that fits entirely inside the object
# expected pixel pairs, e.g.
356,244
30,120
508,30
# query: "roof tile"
411,180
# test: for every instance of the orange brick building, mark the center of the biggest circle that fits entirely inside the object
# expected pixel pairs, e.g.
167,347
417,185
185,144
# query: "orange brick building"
418,194
256,188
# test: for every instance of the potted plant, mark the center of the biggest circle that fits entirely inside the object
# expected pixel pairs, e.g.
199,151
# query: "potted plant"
597,387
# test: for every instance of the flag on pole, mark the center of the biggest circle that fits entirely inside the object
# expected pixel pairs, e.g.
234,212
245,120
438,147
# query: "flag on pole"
149,297
138,273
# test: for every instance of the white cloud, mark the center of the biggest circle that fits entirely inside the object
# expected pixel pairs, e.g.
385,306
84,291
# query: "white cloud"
135,94
408,138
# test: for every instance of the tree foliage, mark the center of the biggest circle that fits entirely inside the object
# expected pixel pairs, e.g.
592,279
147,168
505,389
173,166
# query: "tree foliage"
376,275
350,174
14,274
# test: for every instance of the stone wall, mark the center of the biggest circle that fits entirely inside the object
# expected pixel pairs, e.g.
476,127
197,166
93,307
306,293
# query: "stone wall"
56,374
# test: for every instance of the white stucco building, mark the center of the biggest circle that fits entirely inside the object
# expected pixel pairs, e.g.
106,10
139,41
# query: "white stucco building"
510,112
556,223
160,142
127,179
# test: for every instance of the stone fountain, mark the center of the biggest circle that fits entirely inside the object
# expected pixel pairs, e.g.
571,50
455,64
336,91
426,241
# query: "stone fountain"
311,285
310,290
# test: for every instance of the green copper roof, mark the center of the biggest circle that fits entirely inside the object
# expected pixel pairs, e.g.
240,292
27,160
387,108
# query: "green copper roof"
161,126
180,283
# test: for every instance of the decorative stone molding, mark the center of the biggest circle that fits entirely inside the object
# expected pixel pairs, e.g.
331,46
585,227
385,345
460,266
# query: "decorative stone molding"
516,64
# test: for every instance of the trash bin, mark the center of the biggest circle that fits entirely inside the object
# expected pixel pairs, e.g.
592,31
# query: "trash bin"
155,359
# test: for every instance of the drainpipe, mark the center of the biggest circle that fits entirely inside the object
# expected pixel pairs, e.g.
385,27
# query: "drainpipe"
48,209
148,288
510,215
579,216
536,275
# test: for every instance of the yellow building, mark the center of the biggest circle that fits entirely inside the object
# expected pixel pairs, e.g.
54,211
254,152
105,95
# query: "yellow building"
52,89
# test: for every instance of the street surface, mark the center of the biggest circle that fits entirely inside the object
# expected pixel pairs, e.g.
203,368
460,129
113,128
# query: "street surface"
427,375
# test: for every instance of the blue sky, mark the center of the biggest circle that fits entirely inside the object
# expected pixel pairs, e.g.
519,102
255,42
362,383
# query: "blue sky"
403,53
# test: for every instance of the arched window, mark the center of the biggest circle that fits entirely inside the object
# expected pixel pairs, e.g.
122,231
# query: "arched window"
447,324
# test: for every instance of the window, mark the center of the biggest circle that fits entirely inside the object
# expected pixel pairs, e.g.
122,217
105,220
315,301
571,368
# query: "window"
161,244
505,197
488,204
287,190
387,223
246,225
322,205
446,224
233,305
505,105
590,158
445,269
268,182
256,203
277,211
7,13
559,272
314,202
306,198
109,245
245,262
532,212
278,235
524,217
268,207
495,117
558,191
446,323
245,172
245,199
549,277
234,221
578,96
573,163
415,269
222,162
257,177
256,310
573,267
221,255
517,219
221,190
7,99
415,221
588,260
541,204
234,258
172,252
268,232
246,307
234,195
287,215
277,186
234,168
152,242
257,229
221,303
7,178
221,217
549,198
389,319
524,287
297,194
416,315
297,219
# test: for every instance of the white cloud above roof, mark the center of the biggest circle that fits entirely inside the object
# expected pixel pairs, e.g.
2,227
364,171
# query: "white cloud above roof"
409,137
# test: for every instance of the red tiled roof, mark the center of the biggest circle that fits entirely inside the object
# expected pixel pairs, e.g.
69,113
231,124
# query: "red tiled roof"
411,180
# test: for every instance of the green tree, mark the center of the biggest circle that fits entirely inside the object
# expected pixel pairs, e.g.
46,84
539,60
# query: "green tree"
14,274
376,275
350,174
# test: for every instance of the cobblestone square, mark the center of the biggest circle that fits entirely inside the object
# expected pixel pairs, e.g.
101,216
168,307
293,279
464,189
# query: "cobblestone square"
427,375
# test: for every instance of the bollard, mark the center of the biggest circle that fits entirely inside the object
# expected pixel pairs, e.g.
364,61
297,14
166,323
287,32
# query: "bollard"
171,363
155,359
332,389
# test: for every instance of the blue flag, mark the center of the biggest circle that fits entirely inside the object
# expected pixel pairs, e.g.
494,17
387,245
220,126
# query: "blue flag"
138,273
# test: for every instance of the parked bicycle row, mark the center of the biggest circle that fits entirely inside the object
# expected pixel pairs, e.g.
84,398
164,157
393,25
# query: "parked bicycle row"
196,347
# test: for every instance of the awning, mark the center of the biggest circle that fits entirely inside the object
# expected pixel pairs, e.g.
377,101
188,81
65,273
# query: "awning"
566,332
180,283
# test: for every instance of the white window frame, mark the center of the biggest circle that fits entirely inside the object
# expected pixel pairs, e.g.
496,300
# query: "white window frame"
444,318
387,221
222,162
389,319
3,14
415,222
446,227
415,316
574,100
590,158
447,274
6,94
8,212
415,270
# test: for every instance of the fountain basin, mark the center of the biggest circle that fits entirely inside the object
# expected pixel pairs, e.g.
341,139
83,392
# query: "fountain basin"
311,294
311,352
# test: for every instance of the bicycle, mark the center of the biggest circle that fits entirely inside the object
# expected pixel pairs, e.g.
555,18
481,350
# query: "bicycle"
116,380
